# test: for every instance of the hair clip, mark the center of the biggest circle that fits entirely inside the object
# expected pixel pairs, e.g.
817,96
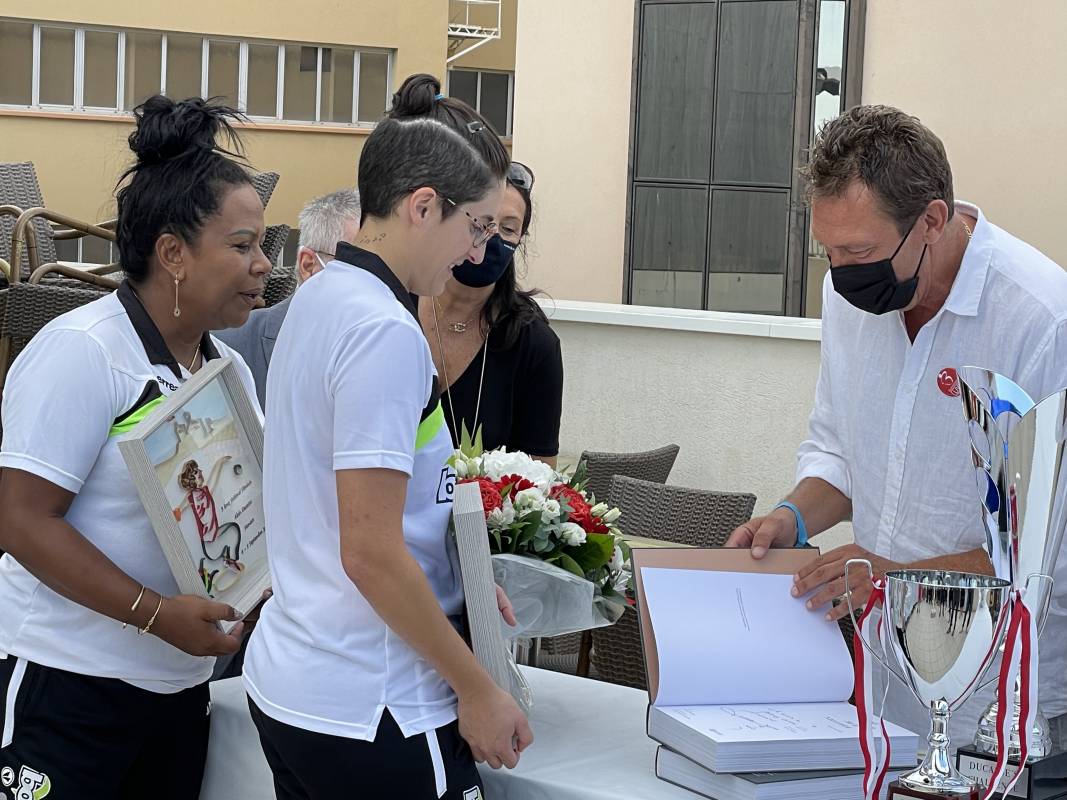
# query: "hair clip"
475,126
438,97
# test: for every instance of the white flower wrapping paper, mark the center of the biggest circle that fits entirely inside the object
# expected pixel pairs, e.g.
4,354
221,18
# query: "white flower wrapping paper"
550,601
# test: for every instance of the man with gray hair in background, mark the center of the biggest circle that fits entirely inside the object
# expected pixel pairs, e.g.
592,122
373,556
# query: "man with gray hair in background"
324,222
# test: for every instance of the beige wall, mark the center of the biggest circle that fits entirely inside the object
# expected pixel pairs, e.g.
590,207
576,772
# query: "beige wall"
572,126
78,160
988,78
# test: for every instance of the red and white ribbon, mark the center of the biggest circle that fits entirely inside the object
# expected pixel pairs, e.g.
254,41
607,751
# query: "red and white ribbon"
875,762
1019,663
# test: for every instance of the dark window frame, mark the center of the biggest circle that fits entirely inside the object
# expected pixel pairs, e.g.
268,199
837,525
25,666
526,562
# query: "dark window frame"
795,275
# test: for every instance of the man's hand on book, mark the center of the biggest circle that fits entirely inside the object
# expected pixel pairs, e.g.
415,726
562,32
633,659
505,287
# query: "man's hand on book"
826,577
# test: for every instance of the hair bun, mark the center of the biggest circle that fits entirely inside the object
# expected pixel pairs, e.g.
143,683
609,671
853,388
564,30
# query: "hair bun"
166,129
416,96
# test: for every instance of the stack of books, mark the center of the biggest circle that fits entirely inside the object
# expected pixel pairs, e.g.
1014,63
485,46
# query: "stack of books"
749,689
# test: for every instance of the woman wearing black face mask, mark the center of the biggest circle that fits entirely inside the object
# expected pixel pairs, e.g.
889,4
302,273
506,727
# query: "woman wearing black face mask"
495,354
492,344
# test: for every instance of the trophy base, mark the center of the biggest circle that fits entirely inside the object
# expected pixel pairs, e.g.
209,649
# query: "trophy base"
899,790
1042,779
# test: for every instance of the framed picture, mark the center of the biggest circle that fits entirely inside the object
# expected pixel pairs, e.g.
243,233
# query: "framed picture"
197,463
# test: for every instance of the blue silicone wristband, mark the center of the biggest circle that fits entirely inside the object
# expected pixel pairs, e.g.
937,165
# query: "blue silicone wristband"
802,529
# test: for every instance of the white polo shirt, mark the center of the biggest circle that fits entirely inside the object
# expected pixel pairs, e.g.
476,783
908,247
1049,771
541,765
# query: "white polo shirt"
84,380
348,388
888,431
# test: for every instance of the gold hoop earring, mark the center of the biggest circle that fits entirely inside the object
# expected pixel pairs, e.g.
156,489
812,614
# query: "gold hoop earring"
177,310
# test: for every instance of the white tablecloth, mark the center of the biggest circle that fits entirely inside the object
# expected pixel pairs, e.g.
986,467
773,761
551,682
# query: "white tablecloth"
590,744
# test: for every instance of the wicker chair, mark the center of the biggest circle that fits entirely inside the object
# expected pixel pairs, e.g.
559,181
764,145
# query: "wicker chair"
651,465
265,183
672,514
565,653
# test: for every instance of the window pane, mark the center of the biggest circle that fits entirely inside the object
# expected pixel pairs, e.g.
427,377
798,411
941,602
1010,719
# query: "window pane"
748,241
184,60
299,93
263,80
373,86
16,63
495,100
223,58
57,66
831,56
676,91
96,251
670,235
101,69
337,76
143,65
756,84
463,85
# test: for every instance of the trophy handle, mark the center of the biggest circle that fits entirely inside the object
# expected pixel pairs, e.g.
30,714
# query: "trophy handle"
1047,606
852,610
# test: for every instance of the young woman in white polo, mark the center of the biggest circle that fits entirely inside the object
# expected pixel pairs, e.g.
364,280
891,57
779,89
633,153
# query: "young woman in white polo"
359,683
103,665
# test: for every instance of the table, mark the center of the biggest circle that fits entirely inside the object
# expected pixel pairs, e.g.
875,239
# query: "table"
590,744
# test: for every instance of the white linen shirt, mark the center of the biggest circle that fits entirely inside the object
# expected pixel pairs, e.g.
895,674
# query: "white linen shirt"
347,388
888,430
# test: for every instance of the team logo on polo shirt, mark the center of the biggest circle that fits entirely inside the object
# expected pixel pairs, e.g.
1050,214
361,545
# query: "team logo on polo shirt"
32,785
473,794
446,485
948,382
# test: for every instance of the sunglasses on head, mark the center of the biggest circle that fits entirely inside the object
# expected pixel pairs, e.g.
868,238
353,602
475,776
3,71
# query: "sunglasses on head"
520,175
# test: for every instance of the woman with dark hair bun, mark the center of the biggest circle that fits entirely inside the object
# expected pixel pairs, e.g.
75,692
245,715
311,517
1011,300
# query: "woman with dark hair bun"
103,665
499,361
357,675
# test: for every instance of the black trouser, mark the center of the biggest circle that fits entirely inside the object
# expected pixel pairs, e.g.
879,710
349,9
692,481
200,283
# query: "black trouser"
316,766
88,738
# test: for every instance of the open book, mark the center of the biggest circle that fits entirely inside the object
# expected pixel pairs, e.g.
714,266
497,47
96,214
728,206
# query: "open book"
742,676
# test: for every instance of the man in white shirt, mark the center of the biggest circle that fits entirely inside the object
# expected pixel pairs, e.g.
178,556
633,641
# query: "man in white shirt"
918,285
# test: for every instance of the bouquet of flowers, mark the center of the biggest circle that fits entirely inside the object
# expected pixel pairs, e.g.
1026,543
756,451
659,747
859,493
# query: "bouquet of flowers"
557,552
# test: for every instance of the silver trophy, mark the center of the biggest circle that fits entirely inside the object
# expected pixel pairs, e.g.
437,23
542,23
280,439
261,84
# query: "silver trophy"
1017,446
944,629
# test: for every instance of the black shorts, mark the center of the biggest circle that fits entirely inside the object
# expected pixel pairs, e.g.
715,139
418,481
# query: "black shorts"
317,766
75,737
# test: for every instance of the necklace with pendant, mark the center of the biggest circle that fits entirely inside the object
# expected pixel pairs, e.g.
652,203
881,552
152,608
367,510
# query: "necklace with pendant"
455,327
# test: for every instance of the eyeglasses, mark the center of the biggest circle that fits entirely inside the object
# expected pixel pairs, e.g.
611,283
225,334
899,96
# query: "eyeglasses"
520,175
482,232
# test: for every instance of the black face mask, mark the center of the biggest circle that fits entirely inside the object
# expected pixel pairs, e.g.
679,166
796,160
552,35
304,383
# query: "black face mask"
498,255
874,287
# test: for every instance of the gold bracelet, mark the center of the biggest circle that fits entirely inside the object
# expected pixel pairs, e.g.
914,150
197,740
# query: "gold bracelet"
136,603
148,626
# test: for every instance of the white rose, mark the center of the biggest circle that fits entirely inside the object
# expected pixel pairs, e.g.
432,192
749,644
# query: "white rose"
550,511
501,517
530,499
461,468
572,534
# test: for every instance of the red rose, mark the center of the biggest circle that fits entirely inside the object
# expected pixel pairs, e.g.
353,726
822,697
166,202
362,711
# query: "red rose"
517,484
490,494
581,513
